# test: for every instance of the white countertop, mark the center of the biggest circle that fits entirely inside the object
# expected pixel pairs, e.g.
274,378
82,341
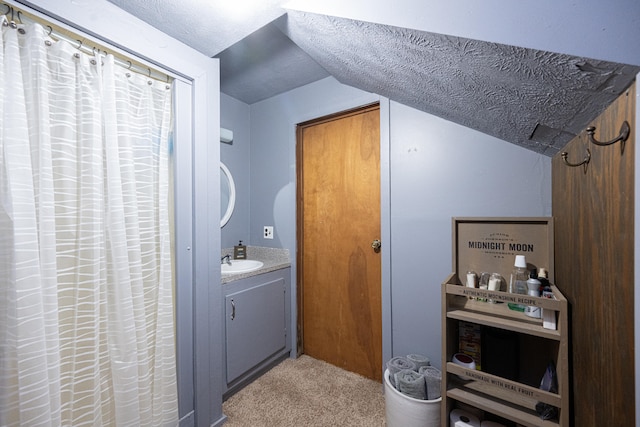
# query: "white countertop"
272,258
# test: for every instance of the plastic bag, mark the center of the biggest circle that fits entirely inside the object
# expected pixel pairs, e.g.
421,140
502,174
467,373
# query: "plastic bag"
549,383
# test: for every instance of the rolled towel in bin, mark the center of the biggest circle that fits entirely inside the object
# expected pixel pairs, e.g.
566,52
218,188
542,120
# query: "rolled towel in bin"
397,364
411,383
419,360
433,380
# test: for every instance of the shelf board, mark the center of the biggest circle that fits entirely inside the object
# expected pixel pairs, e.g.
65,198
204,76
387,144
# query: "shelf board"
557,303
509,324
503,409
504,388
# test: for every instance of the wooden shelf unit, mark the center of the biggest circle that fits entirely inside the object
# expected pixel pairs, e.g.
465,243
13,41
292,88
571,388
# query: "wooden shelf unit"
511,400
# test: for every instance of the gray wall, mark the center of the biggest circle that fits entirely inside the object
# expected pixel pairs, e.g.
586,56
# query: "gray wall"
273,153
234,115
436,170
440,170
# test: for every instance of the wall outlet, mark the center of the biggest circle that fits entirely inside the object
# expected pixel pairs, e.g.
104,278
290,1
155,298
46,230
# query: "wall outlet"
268,232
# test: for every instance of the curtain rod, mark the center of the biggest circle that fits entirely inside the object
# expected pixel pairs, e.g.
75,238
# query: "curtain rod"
19,16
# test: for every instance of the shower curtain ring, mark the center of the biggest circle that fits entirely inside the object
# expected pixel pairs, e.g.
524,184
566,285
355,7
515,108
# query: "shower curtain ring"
12,24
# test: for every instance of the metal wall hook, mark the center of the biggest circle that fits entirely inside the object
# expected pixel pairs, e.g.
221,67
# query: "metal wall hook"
624,134
583,163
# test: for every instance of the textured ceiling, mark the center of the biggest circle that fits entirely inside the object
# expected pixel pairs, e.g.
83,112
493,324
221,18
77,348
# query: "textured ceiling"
265,64
535,99
538,100
207,26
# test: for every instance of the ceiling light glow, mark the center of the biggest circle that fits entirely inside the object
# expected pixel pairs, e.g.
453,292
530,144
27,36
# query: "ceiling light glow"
239,10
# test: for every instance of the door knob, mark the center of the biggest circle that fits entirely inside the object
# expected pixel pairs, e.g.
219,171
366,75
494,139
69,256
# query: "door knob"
376,244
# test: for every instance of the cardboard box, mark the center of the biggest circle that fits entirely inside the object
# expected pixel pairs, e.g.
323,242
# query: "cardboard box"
469,341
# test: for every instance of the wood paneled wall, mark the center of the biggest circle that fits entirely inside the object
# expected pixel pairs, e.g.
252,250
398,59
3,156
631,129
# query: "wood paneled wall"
594,267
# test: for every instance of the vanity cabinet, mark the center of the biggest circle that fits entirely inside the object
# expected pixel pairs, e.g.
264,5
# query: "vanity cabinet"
257,316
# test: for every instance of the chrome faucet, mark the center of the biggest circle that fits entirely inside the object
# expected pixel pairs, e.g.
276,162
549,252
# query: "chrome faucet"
228,258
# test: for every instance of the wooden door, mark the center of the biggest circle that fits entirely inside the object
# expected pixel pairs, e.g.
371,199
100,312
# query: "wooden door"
339,273
593,213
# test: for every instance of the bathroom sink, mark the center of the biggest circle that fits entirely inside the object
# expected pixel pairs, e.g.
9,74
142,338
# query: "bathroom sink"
241,266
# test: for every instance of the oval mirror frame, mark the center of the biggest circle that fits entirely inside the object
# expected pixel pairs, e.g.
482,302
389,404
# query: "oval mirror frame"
232,195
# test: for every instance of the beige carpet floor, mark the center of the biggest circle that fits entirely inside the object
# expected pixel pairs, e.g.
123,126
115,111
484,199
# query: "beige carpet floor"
307,392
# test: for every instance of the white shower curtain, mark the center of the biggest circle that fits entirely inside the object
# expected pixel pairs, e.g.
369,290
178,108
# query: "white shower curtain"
86,286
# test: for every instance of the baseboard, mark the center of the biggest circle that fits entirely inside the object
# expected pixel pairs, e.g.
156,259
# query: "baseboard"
188,420
253,374
220,422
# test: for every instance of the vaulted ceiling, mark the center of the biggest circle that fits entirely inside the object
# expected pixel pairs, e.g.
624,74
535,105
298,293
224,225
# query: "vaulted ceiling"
533,98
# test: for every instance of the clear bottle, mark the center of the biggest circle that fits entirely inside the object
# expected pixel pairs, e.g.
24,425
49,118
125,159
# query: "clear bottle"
518,280
483,283
533,289
472,280
495,284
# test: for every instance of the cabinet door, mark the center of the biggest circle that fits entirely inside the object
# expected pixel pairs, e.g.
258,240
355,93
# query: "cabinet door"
255,326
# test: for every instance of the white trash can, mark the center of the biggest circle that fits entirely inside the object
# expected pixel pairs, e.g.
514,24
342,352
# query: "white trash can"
405,411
